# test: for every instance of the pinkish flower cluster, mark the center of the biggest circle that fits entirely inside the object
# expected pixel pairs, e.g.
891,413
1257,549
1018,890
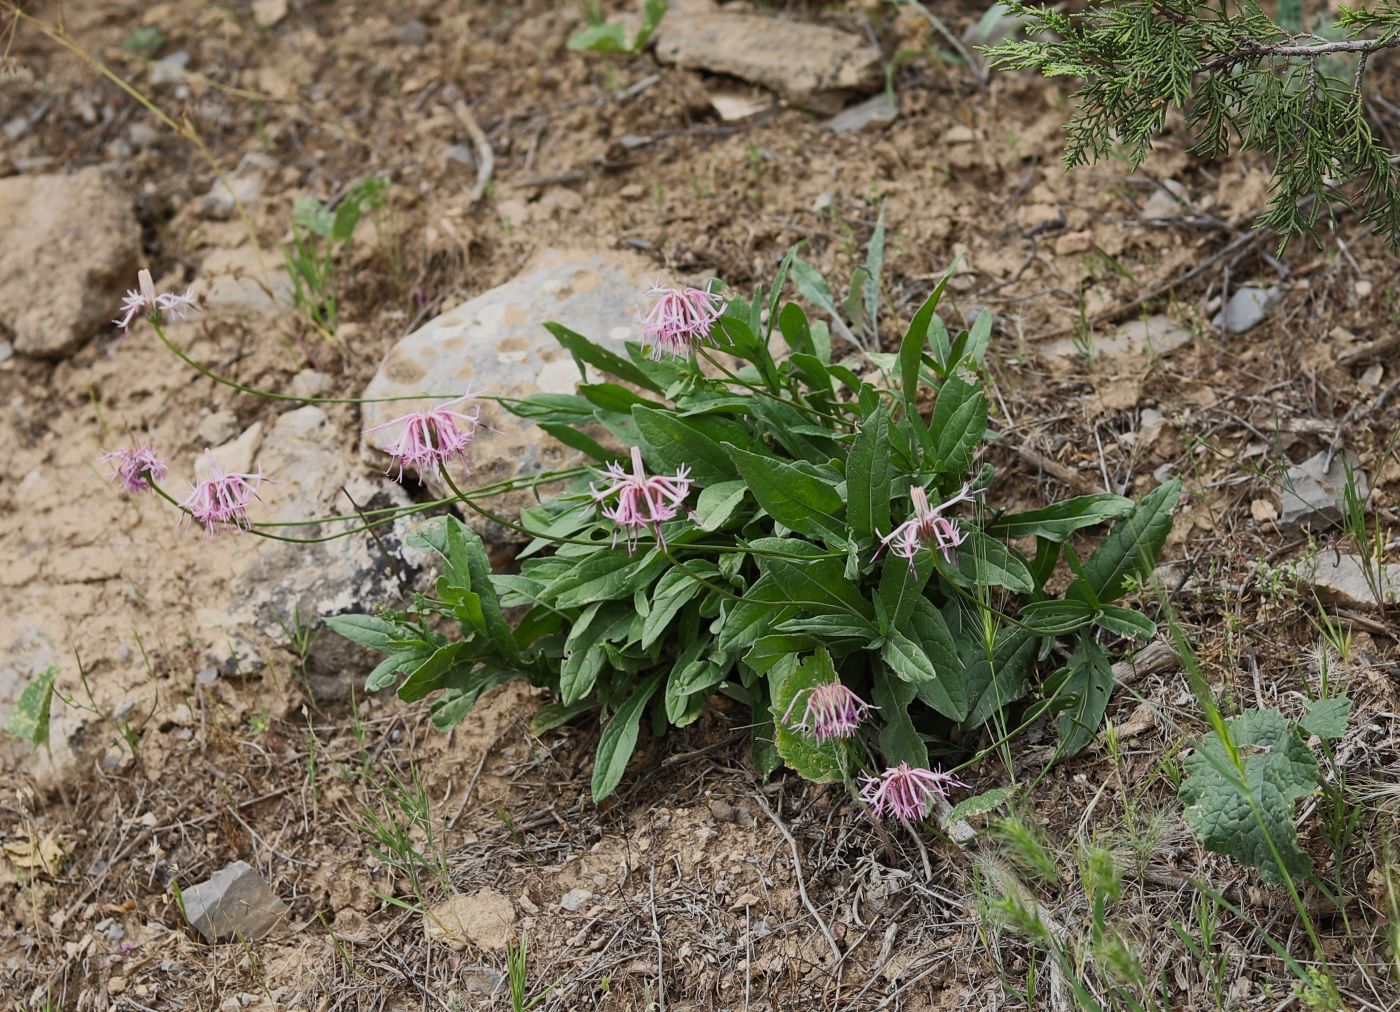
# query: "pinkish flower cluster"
927,528
643,502
681,319
832,711
135,468
431,438
222,499
905,792
145,299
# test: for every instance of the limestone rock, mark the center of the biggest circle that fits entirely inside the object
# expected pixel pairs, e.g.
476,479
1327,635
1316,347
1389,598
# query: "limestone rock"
1312,492
1346,581
68,247
1246,309
235,903
812,66
485,919
496,343
242,186
1153,335
238,280
878,111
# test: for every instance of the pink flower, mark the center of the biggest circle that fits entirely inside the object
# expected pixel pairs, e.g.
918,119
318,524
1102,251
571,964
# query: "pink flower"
681,319
132,467
927,528
832,711
431,438
145,299
222,499
905,792
643,502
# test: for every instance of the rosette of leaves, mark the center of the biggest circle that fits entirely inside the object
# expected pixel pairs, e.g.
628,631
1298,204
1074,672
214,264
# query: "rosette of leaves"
774,581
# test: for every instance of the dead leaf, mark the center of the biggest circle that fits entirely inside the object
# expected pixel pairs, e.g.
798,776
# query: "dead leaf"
42,855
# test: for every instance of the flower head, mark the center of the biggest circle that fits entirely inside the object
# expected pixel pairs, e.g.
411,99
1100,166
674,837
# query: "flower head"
222,499
430,438
832,711
927,528
643,502
905,792
134,468
681,319
145,299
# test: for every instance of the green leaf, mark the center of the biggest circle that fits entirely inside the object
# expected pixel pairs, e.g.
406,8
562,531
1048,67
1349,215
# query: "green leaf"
584,659
996,682
1055,618
585,351
868,477
1126,622
366,630
677,442
980,804
1130,549
386,671
769,650
902,586
581,441
746,620
432,674
817,582
30,718
717,503
619,739
673,591
911,356
813,286
979,338
1087,686
1058,521
984,562
553,715
461,693
928,658
610,37
797,500
819,762
958,425
604,576
614,398
1327,718
763,748
899,741
1240,812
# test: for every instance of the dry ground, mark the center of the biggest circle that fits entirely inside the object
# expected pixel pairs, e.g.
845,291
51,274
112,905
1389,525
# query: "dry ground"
693,878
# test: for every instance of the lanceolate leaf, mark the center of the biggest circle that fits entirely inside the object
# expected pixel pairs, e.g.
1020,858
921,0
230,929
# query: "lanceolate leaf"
1087,686
809,578
958,425
868,477
794,498
585,351
1130,549
899,741
927,658
1057,522
672,442
620,739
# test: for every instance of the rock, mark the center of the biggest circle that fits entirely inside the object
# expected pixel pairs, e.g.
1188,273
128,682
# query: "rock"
7,351
267,13
410,33
1170,200
169,69
1246,308
877,111
574,900
1346,581
313,473
310,383
497,343
243,186
68,245
1312,493
1149,336
217,427
485,919
235,903
459,153
812,66
734,105
234,456
240,281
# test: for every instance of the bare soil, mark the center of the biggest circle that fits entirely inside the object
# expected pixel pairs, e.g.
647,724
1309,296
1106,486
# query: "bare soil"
697,887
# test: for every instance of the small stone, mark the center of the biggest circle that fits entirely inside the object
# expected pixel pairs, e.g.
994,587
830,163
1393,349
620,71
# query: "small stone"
959,134
217,427
267,13
734,106
206,676
116,986
1349,582
1262,510
878,111
1170,200
235,903
485,919
1074,243
169,69
7,351
822,202
1149,336
241,187
574,900
235,456
1312,494
1247,308
410,33
1363,288
461,154
1371,377
142,135
310,383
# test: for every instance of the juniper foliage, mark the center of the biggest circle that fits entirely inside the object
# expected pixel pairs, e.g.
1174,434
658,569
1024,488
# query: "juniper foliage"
1242,81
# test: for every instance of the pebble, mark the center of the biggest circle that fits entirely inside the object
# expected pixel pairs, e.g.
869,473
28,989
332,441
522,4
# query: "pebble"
1247,308
574,900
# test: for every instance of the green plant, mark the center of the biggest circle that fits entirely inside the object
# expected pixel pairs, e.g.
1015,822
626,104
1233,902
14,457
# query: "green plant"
319,233
1241,80
781,579
601,36
30,718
